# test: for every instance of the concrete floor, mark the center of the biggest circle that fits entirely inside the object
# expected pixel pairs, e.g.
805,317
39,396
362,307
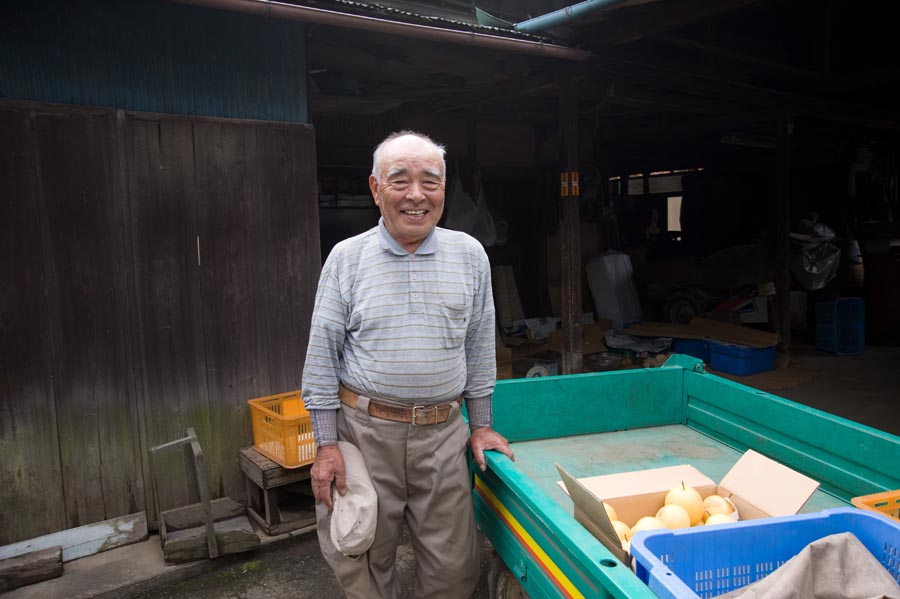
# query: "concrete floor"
288,570
864,388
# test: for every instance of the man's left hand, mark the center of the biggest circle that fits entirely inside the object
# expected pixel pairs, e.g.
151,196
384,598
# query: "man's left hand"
483,439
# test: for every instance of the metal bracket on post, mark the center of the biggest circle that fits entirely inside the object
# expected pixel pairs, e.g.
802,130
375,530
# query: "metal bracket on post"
567,178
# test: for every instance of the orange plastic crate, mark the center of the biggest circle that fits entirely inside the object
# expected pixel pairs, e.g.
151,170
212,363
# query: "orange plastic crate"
282,430
887,503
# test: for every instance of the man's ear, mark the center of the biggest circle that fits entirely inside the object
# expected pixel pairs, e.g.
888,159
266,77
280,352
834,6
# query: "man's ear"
373,187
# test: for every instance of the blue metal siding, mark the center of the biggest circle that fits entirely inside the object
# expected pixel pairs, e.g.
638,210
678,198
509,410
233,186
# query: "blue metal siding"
153,56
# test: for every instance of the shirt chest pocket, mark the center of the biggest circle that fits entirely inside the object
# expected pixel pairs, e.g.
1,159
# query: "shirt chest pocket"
448,317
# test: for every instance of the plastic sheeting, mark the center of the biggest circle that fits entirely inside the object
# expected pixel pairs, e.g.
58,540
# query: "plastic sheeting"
611,281
470,217
653,346
814,264
461,210
484,230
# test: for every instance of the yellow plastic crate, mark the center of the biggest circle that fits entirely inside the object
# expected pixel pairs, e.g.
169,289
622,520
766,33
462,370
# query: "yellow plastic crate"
887,503
282,430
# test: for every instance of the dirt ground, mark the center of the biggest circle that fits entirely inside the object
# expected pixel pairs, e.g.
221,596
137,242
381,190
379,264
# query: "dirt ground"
290,569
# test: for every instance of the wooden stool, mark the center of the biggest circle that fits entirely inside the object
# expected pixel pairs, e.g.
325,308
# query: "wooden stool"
279,499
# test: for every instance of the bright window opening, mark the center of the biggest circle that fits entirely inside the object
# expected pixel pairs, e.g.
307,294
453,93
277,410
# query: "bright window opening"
673,212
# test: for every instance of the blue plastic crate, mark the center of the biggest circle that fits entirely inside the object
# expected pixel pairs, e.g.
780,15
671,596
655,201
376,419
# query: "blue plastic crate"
709,561
739,359
841,326
698,348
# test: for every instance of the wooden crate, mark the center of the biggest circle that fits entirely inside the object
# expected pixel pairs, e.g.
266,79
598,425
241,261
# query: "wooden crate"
278,499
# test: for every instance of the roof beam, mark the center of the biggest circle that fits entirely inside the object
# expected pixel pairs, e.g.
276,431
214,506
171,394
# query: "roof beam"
515,88
737,56
629,25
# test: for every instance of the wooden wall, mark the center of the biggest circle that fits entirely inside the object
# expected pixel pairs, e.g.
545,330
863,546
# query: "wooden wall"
157,272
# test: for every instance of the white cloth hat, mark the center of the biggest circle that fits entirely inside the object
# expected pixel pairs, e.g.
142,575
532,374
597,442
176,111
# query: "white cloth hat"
355,514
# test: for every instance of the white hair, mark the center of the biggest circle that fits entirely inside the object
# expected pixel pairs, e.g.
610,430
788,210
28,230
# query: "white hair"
376,156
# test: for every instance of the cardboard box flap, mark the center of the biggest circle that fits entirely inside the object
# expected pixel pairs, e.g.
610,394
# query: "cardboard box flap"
641,482
590,504
590,513
735,334
704,328
768,485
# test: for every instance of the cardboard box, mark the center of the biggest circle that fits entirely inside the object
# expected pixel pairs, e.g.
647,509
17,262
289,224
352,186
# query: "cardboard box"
755,310
758,486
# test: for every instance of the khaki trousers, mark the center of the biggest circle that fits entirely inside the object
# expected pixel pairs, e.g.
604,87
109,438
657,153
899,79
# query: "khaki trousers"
421,476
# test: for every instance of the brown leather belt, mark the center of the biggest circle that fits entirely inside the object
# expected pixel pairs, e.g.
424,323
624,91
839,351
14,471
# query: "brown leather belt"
419,415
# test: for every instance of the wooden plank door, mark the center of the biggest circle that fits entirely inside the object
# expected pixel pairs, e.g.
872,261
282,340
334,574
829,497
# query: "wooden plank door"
30,475
287,234
86,257
170,355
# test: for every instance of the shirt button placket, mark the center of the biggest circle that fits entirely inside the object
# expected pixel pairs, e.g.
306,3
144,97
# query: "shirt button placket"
415,292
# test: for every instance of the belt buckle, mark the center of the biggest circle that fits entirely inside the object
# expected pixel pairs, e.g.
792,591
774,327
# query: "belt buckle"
416,414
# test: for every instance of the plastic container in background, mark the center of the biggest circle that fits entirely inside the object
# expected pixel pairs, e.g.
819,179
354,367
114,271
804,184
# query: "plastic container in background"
708,561
841,326
740,359
887,503
282,429
698,348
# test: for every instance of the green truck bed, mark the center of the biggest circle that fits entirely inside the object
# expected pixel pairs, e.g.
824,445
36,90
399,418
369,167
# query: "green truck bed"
606,423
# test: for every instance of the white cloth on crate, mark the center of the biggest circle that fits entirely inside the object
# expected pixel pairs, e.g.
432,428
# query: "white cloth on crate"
834,567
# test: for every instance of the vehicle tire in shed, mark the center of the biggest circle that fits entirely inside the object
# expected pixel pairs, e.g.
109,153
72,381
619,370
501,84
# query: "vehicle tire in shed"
502,583
683,305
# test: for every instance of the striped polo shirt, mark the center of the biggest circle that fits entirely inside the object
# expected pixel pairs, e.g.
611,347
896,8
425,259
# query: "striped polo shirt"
412,328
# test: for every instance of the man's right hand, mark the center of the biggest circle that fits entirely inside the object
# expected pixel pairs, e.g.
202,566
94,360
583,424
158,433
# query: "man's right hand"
328,468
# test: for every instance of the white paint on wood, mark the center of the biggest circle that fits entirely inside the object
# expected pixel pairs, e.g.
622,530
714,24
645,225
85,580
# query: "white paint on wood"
86,540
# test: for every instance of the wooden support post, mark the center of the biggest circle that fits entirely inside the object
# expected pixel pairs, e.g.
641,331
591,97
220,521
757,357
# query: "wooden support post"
570,226
784,125
203,488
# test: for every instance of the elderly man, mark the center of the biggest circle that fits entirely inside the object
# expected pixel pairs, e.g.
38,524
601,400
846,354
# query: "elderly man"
402,331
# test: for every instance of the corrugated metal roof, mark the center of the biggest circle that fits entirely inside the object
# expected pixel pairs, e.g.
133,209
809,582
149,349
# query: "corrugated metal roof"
155,57
445,22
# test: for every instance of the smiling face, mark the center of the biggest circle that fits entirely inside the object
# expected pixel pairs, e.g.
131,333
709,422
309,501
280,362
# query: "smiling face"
408,187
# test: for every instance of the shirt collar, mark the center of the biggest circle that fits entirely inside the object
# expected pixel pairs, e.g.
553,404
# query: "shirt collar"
429,245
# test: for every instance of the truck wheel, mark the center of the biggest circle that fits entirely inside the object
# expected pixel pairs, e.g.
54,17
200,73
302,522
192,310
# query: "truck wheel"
503,584
683,305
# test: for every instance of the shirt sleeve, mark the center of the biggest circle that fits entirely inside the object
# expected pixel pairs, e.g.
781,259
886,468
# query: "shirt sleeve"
324,424
481,356
479,411
322,370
